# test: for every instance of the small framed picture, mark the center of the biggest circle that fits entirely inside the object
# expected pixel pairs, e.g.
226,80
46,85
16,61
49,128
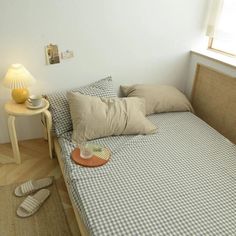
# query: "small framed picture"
52,54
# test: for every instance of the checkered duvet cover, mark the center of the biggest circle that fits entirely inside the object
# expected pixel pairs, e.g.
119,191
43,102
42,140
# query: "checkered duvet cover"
180,181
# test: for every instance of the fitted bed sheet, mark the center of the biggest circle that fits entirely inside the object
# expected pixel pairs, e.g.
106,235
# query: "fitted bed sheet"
180,181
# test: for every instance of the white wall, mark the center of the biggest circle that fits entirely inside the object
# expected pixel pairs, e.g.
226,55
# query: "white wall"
133,40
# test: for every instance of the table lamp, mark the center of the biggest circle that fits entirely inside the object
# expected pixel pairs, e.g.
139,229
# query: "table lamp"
18,79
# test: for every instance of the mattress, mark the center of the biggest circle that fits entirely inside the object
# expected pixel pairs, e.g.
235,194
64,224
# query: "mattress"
180,181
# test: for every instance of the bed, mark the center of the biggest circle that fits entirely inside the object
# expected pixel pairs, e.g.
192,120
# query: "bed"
179,181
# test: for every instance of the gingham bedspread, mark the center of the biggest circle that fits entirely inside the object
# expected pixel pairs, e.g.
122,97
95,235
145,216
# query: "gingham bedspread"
180,181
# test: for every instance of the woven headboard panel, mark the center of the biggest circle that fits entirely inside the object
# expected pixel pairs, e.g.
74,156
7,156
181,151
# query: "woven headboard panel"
214,100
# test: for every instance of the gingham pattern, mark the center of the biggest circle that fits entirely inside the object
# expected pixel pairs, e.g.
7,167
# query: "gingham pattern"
175,182
60,109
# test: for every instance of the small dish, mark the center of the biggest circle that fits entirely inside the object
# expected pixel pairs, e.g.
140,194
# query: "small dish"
41,105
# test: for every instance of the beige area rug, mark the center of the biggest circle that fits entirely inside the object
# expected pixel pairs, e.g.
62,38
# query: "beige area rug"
50,220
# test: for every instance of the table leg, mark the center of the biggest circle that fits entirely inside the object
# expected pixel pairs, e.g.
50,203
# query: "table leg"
48,117
13,137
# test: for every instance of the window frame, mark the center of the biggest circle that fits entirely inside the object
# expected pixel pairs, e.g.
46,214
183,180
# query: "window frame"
210,47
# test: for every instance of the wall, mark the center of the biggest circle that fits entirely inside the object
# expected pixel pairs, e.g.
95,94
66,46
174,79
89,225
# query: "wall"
133,40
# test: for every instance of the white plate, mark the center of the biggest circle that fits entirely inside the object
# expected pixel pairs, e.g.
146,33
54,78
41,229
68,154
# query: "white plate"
43,103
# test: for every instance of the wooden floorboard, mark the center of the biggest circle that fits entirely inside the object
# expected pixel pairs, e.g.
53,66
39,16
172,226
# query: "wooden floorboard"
36,163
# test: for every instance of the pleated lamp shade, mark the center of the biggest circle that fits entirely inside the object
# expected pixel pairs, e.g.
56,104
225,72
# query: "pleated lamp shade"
18,77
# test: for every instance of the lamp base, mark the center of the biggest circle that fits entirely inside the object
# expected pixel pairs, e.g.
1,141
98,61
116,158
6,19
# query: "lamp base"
20,95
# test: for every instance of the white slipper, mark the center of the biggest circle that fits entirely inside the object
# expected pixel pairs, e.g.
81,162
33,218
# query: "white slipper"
32,186
32,203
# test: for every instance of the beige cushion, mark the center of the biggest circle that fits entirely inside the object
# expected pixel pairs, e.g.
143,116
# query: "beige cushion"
159,98
94,117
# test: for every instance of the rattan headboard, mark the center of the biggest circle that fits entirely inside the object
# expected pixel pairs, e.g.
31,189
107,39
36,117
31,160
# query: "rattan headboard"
214,100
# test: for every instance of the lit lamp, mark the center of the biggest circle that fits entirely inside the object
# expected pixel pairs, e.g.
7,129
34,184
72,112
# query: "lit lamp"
18,79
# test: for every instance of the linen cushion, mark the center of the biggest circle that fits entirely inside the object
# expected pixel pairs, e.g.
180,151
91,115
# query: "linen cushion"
95,117
59,106
159,98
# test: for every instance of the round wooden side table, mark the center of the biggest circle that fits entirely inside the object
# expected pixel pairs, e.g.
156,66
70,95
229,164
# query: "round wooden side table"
13,110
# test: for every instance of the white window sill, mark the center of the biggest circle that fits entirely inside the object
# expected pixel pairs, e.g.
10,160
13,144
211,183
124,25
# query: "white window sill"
216,56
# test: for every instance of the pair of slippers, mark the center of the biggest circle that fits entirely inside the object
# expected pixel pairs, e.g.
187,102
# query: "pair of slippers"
33,202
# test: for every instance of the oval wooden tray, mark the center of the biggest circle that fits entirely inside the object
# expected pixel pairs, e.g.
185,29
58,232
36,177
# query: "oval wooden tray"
94,161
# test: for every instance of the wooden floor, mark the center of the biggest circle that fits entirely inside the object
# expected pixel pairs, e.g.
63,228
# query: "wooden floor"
36,164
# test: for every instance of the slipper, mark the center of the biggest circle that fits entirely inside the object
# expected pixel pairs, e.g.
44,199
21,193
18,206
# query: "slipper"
32,203
32,186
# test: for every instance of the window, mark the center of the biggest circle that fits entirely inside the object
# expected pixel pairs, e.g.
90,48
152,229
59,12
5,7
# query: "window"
222,26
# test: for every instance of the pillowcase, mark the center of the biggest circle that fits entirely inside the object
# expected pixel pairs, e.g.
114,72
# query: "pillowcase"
95,117
159,98
59,106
